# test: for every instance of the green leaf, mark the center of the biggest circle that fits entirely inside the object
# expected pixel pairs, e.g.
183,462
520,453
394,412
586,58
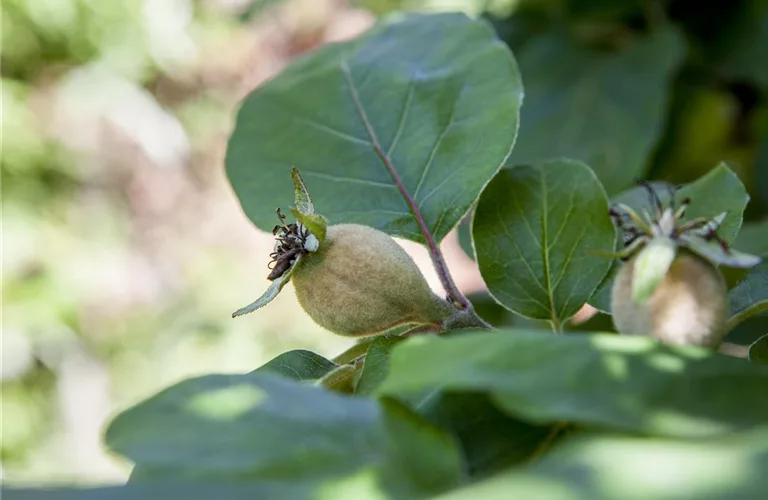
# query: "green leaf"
593,466
535,228
272,291
651,266
490,439
162,490
750,296
260,427
376,364
634,384
420,105
604,108
300,193
298,364
758,351
719,190
753,238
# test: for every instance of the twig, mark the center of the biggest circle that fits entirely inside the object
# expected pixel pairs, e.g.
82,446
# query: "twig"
434,250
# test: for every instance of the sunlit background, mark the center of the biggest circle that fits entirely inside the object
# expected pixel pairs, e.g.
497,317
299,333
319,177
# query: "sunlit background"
125,250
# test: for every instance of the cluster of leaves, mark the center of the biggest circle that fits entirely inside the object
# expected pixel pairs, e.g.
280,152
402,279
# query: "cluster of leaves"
430,108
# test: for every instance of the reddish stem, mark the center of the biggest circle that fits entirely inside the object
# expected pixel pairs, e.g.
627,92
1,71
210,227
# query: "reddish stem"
434,250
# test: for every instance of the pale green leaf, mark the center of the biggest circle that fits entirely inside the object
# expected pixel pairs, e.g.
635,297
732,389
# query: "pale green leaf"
272,291
651,265
301,195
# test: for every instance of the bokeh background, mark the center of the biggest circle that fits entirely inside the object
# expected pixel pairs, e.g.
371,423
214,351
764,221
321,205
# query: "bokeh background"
124,248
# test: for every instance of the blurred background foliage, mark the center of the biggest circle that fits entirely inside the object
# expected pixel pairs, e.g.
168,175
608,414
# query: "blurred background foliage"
125,250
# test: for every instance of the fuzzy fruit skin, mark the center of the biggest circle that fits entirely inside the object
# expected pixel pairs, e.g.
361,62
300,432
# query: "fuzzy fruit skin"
361,282
689,306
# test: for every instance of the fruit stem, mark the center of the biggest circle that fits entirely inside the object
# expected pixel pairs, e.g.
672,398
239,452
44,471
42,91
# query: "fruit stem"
435,254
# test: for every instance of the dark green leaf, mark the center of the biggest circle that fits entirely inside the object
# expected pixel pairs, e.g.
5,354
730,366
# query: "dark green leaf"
719,190
438,94
376,364
753,238
751,51
595,466
298,364
606,109
758,351
169,490
630,383
750,296
491,440
261,427
534,229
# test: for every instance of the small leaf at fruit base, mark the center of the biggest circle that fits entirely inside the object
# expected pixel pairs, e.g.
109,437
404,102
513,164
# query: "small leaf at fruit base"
418,111
376,364
302,199
272,291
316,223
749,296
298,364
536,229
651,265
629,383
262,428
758,351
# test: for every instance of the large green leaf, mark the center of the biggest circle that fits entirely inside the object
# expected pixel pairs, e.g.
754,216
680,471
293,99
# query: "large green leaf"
604,108
719,190
420,104
629,383
298,364
262,427
750,296
535,228
598,467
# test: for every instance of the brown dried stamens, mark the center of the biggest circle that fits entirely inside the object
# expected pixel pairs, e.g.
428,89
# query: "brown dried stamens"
290,245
